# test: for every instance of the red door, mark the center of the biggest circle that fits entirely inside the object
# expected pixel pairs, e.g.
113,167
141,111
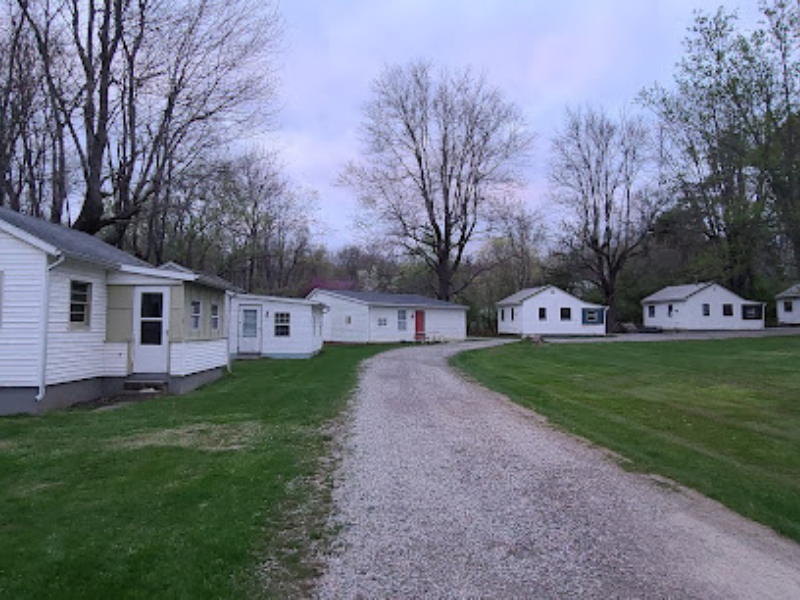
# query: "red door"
419,325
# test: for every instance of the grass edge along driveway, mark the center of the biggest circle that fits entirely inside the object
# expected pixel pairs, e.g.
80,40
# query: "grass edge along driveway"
722,417
220,493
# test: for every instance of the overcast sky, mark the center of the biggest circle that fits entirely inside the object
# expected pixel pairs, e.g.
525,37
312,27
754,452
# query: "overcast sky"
543,55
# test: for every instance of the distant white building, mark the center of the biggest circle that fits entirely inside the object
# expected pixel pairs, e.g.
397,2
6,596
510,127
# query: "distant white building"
364,317
548,310
275,327
789,306
701,306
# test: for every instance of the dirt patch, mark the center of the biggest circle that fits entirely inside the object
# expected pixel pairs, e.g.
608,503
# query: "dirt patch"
210,437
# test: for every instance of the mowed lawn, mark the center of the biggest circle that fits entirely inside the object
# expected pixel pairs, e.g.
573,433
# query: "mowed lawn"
215,494
722,417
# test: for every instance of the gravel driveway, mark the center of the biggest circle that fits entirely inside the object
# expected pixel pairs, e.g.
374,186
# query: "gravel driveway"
449,490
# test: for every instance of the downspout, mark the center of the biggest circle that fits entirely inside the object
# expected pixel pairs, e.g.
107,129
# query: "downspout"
43,324
228,314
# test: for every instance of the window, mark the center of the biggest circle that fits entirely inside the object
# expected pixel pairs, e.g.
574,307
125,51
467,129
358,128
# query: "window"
382,321
502,314
249,323
727,310
195,314
593,316
348,319
669,310
651,310
402,320
512,314
752,312
215,317
706,310
542,313
566,314
80,300
788,306
282,324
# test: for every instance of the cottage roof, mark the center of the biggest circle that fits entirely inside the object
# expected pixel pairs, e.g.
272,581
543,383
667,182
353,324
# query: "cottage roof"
522,295
71,242
384,299
676,293
792,292
202,278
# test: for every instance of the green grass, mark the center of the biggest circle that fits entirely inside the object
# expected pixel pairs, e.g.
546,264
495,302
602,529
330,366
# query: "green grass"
220,493
722,417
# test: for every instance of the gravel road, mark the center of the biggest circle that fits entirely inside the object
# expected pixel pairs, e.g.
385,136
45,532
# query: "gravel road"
448,490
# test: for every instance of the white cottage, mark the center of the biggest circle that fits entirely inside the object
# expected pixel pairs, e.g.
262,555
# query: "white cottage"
364,317
275,327
80,318
548,310
789,306
701,306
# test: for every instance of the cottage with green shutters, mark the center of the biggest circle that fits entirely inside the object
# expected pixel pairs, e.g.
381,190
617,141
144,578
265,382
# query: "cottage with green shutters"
548,310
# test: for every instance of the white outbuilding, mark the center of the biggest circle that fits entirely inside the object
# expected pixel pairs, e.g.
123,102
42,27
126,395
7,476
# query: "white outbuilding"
701,306
548,310
789,306
275,327
364,317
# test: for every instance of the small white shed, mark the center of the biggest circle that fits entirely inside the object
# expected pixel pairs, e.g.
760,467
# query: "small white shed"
275,327
701,306
548,310
789,306
364,317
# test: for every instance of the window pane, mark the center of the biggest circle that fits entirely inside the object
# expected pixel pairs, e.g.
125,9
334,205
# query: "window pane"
250,323
77,313
281,331
152,305
150,333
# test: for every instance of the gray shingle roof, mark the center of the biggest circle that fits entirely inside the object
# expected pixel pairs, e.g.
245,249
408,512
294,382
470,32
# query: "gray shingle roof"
522,295
409,300
71,242
792,292
676,293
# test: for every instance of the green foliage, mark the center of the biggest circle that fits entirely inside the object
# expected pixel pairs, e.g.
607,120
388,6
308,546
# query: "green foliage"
722,417
216,494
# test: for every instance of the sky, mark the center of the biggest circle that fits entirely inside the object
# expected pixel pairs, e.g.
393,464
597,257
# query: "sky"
543,55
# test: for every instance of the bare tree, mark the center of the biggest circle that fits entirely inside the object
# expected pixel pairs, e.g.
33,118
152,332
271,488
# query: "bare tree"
439,152
602,172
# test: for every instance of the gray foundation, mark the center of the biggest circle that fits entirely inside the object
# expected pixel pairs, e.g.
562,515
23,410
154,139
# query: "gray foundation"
23,400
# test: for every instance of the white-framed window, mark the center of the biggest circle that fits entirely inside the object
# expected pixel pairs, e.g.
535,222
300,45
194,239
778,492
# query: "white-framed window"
348,320
80,303
727,310
788,306
282,324
196,314
512,313
566,314
382,322
706,310
215,317
542,313
502,314
651,310
402,320
669,310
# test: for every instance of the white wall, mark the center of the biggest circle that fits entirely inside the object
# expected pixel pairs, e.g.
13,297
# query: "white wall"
335,326
505,323
75,353
553,300
689,313
390,332
305,327
21,288
186,358
445,324
791,317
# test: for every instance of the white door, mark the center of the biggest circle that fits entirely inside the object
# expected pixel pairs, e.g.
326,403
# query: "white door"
249,329
151,330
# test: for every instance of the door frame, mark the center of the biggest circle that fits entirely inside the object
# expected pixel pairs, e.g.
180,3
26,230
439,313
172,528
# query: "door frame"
259,337
140,364
419,325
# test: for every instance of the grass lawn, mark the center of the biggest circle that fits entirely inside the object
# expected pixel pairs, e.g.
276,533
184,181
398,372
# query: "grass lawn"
214,494
722,417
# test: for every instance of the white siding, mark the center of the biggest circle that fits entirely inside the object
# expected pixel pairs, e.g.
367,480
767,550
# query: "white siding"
688,314
194,357
115,359
445,324
791,317
527,320
390,331
305,327
335,324
75,353
23,274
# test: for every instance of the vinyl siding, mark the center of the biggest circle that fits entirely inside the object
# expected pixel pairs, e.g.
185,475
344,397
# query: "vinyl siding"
23,270
445,324
688,314
75,353
303,338
335,326
553,300
194,357
789,318
390,332
206,296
